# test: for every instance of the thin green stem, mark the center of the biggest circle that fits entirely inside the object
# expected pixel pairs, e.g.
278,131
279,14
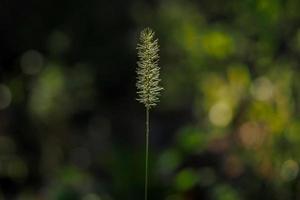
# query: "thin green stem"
147,153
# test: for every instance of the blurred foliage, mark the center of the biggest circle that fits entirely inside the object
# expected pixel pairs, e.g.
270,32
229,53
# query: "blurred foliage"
228,126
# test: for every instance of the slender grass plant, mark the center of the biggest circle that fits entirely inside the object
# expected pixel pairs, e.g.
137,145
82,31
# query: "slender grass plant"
148,89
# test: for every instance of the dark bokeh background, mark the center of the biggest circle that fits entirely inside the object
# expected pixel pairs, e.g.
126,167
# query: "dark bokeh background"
227,127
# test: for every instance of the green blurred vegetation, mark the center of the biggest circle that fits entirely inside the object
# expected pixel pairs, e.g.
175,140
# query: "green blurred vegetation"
228,126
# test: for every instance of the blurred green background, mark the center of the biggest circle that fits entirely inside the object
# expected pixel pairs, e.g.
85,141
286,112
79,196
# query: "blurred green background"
227,127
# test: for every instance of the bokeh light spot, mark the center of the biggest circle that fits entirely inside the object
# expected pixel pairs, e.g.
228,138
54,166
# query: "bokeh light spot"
47,93
5,96
218,44
262,89
91,196
169,161
225,192
220,114
289,170
191,140
252,135
32,62
186,179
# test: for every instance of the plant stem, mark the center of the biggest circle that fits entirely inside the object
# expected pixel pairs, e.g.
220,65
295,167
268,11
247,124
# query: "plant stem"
147,153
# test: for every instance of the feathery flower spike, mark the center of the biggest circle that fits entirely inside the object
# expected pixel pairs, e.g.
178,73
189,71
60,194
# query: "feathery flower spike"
148,69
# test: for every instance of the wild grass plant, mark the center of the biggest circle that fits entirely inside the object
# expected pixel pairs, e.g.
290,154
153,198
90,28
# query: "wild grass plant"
148,89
